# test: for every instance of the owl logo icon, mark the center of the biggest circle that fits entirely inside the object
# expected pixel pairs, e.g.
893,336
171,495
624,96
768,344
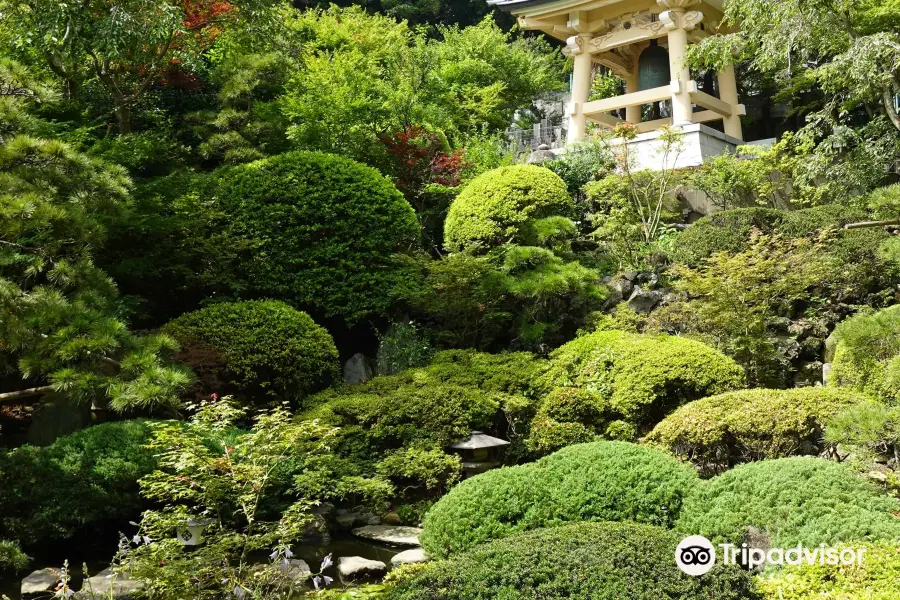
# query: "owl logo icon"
695,555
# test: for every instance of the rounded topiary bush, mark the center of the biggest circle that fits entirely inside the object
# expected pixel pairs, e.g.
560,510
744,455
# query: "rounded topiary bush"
596,561
568,416
719,432
81,480
317,230
799,500
642,377
261,348
495,206
863,352
876,578
599,481
724,231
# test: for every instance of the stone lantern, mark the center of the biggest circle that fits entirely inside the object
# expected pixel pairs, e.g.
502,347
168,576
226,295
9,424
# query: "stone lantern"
479,452
190,533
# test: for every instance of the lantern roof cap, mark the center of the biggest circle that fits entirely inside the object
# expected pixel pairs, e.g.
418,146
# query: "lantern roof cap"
478,441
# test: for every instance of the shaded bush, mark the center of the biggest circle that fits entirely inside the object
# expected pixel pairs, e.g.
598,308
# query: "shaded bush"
11,557
316,230
799,500
642,377
258,348
725,231
600,561
495,206
874,579
81,480
600,481
719,432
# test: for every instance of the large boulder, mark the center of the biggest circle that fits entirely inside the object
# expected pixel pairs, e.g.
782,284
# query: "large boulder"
107,585
39,584
354,568
357,370
397,535
408,557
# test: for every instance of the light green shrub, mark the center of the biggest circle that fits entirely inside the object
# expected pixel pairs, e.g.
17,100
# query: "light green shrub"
259,348
319,231
568,416
596,561
874,579
642,377
493,207
798,500
80,481
863,348
719,432
600,481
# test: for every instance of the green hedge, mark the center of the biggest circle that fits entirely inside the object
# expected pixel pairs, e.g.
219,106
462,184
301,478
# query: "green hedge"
258,348
81,480
799,500
496,206
316,230
600,481
865,351
719,432
877,578
569,416
579,561
642,377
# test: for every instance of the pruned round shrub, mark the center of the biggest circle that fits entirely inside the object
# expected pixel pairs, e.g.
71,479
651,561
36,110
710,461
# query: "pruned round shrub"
874,578
568,416
256,348
81,480
719,432
642,377
798,500
599,481
496,206
865,350
316,230
599,561
724,231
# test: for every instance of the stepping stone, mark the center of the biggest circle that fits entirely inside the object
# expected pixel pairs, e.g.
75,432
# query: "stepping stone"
106,584
357,567
408,557
398,535
39,584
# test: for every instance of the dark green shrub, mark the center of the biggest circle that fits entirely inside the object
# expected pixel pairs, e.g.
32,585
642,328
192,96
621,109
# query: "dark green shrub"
642,377
257,347
493,207
719,432
725,231
316,230
81,480
600,481
799,500
579,561
875,578
11,557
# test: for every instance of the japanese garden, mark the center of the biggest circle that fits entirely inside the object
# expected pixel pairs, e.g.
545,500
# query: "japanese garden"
449,299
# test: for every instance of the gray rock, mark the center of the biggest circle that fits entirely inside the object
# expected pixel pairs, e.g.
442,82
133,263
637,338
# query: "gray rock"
39,584
643,301
826,373
623,286
357,370
357,567
106,584
347,521
397,535
374,520
407,557
541,155
298,570
325,508
392,518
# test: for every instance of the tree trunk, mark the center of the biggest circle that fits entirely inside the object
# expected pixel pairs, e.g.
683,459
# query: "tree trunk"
71,89
123,118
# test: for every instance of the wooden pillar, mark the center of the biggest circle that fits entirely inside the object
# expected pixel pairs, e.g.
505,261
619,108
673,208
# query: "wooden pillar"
678,22
632,113
576,47
728,93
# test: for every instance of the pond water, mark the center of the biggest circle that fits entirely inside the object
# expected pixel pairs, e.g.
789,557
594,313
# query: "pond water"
98,552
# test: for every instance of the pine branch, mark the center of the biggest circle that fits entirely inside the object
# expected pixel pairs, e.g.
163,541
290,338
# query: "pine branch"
27,393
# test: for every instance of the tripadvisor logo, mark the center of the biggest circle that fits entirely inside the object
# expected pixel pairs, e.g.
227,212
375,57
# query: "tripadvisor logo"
696,555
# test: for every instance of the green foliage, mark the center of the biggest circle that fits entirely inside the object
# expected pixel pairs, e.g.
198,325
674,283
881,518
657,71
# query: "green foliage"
736,301
207,473
432,467
404,346
731,181
874,579
11,557
864,348
495,206
144,154
569,416
600,561
80,481
315,230
642,377
259,348
884,203
581,164
719,432
800,500
870,433
62,319
600,481
725,231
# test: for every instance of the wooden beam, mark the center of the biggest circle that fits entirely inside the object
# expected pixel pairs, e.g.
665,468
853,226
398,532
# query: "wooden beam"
865,224
619,65
605,120
710,102
633,99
